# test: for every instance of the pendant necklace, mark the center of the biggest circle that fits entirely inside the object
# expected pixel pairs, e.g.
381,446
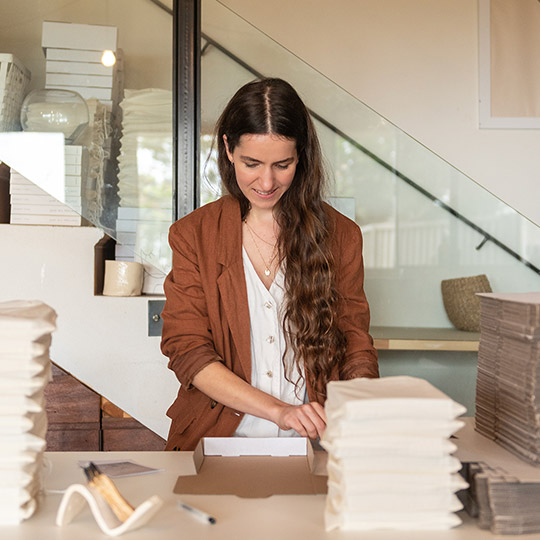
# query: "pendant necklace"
267,271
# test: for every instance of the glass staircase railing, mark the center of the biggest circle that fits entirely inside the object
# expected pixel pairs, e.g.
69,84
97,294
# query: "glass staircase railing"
422,220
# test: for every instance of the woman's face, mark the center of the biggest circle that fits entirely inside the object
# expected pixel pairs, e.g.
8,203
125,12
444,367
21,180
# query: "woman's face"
264,166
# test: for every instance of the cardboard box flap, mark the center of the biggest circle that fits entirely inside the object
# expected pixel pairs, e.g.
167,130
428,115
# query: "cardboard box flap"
255,446
253,468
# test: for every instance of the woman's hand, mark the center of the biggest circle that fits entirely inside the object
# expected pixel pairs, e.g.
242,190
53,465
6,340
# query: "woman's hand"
221,384
308,420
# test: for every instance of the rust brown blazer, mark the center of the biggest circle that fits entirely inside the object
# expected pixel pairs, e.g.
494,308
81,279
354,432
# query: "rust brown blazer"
206,314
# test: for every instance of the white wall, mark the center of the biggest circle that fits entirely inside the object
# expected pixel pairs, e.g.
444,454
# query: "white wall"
416,63
102,341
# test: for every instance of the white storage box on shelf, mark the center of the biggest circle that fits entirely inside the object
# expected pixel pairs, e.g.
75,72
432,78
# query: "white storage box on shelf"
14,79
74,52
31,205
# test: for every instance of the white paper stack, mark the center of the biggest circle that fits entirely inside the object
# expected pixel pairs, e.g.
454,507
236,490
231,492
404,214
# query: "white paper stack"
74,53
25,337
145,183
31,205
145,162
508,382
389,455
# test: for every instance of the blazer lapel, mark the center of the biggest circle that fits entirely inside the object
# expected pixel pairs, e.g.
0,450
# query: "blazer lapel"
232,282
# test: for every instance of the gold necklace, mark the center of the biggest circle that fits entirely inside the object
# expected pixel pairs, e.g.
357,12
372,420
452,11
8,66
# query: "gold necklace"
267,271
259,236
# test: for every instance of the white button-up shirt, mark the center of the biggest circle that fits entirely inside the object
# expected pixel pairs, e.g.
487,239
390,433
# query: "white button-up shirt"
267,349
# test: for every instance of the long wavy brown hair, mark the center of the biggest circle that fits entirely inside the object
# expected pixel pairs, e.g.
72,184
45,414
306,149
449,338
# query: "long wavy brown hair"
272,106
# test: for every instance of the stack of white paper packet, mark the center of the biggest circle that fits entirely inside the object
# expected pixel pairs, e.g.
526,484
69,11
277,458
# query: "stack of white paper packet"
25,337
389,455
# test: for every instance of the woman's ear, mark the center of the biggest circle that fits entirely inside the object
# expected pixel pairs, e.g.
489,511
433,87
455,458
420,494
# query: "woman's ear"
229,155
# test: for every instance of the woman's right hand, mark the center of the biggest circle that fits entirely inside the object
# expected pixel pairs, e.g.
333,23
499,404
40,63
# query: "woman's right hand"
308,420
221,384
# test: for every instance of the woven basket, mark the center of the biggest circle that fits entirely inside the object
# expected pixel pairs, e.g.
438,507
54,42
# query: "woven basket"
461,303
14,79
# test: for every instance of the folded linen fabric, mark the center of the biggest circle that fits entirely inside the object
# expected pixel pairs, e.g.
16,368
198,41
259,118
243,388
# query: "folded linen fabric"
25,328
390,463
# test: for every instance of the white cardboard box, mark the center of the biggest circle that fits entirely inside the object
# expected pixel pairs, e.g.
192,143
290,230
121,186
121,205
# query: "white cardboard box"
32,189
126,238
124,251
72,159
254,467
92,37
73,170
74,55
78,68
52,209
103,94
146,214
67,79
27,219
73,150
21,198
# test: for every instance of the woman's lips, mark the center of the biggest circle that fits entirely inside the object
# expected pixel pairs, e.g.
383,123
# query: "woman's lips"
265,194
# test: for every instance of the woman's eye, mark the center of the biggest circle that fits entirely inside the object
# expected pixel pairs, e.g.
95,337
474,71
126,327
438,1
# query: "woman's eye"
251,165
283,167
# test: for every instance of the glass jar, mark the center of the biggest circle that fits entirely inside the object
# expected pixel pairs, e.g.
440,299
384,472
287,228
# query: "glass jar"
55,110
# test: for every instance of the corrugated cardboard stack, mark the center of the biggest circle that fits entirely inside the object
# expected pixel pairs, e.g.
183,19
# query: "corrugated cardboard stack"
508,382
508,412
25,337
31,205
389,455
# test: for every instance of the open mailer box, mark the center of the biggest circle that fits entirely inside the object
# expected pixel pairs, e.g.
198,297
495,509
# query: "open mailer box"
254,467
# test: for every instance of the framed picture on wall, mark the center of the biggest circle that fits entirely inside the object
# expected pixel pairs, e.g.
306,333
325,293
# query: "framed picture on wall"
509,64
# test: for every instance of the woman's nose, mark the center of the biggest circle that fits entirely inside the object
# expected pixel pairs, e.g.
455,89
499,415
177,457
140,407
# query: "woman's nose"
267,178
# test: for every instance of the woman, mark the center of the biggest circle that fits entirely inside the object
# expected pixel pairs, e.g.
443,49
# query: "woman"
265,301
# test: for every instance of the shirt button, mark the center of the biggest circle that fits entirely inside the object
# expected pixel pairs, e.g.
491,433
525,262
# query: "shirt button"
269,374
270,339
268,305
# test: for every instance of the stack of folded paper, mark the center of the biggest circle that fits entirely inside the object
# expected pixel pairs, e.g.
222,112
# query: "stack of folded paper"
145,161
25,337
508,382
389,455
145,184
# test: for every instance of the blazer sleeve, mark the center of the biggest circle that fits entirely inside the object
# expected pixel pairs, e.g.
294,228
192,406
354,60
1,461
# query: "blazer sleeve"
186,337
361,357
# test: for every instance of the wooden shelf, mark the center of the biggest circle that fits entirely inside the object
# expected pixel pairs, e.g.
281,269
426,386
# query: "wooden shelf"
397,338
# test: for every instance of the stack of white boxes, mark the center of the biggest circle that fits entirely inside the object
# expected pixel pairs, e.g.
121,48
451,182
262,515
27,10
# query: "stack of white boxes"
31,205
74,53
142,237
143,219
